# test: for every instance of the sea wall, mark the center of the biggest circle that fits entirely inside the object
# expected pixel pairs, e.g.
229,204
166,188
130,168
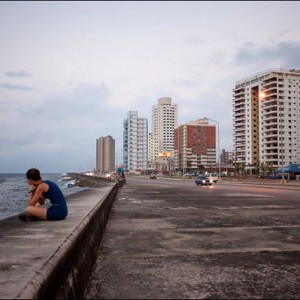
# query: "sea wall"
55,259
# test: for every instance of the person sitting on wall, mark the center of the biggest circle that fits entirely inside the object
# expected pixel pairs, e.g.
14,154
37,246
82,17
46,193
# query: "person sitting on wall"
121,173
39,190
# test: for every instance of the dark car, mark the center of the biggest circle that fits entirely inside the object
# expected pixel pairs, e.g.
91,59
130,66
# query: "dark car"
203,180
153,176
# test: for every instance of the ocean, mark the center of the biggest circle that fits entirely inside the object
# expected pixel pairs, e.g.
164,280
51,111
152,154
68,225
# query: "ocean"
14,192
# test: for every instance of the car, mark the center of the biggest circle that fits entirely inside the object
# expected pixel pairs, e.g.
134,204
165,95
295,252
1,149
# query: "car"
153,176
189,175
203,180
214,177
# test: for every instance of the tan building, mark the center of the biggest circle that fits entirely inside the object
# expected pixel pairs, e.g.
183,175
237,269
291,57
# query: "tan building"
266,118
153,150
105,154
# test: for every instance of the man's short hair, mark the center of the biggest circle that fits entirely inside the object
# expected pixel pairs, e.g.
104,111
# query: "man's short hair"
33,174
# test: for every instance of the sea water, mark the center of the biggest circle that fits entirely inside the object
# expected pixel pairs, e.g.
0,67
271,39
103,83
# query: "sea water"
14,192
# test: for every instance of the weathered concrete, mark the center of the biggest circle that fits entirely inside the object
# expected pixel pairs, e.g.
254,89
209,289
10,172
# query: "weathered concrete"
83,180
54,259
169,240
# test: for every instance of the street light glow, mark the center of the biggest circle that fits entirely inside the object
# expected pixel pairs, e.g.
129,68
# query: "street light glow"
262,95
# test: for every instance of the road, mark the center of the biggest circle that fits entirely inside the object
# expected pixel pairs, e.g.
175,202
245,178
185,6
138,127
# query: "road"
171,239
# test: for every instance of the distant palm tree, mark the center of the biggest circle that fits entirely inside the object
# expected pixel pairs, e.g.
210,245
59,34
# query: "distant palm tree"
239,169
266,169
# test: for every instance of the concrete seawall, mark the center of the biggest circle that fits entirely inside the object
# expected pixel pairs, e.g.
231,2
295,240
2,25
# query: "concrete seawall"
54,259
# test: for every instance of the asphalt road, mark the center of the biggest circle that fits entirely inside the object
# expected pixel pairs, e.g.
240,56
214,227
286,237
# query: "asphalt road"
169,239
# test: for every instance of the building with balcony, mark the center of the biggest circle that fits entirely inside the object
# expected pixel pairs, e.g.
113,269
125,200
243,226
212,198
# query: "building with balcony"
135,143
266,119
195,146
164,120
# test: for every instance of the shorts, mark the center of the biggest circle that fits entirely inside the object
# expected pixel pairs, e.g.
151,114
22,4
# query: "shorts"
56,212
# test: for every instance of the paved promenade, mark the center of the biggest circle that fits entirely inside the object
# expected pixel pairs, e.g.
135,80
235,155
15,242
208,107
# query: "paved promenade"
167,240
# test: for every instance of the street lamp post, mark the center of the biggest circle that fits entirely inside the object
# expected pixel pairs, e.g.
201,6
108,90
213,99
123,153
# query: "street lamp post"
180,156
219,154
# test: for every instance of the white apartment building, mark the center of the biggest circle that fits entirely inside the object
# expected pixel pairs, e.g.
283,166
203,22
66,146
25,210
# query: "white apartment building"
135,142
164,120
105,154
266,118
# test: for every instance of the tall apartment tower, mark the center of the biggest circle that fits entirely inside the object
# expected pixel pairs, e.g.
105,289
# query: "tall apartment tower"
135,142
195,146
266,118
164,121
105,154
153,149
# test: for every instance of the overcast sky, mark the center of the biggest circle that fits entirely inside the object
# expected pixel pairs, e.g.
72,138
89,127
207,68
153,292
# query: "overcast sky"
70,71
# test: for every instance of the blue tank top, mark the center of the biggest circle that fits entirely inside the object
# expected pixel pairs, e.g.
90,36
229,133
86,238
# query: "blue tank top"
54,194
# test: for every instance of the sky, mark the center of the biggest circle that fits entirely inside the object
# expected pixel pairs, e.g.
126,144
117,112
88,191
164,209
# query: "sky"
70,71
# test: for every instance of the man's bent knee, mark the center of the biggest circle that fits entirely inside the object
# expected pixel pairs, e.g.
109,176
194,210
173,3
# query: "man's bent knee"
39,212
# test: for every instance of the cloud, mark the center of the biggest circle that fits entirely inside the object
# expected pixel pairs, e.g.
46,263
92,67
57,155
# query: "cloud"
194,40
20,74
183,82
81,100
64,125
17,87
61,131
285,54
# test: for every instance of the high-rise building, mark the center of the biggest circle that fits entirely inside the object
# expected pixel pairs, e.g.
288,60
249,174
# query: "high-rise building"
266,118
195,146
161,140
135,142
153,149
105,154
164,121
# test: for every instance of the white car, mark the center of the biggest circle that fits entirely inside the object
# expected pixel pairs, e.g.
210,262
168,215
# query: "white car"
189,175
214,177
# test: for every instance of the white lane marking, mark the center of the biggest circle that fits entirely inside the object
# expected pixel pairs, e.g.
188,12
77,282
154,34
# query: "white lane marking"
246,195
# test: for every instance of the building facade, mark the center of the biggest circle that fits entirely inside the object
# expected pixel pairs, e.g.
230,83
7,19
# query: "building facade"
195,146
226,157
135,143
105,154
164,120
266,119
153,150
